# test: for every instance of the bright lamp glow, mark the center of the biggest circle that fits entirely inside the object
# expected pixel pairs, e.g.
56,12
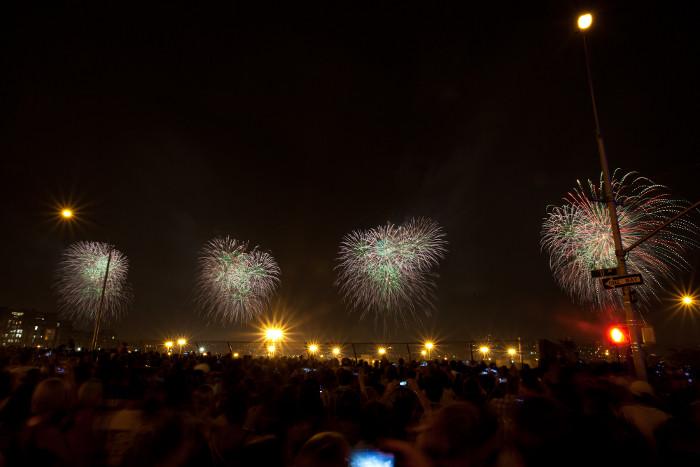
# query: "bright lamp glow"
484,349
271,348
313,348
381,351
512,352
429,345
181,342
274,334
585,21
168,344
687,300
336,351
424,353
67,213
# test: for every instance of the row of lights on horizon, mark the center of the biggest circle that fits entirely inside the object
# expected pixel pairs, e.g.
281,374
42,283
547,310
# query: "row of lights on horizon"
273,336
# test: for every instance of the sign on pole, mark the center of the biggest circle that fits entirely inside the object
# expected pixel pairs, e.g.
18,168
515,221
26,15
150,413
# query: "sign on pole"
603,272
622,281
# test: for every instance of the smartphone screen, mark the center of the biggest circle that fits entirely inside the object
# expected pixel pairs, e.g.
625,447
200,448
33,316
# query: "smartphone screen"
371,458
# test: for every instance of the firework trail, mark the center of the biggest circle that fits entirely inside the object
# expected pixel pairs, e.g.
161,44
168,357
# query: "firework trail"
389,270
80,278
578,237
235,283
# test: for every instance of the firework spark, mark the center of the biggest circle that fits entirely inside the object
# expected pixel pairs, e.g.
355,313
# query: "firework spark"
81,275
390,270
578,237
235,283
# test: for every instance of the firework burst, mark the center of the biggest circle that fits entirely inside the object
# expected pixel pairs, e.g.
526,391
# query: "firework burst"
235,283
578,237
81,275
389,270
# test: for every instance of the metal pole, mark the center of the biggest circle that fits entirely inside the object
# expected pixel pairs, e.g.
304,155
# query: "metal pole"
471,351
354,352
408,349
520,351
633,323
98,316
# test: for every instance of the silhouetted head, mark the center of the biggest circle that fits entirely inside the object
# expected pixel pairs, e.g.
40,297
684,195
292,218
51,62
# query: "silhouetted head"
327,449
50,396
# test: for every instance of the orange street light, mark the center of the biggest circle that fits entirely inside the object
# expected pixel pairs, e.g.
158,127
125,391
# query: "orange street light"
585,21
274,334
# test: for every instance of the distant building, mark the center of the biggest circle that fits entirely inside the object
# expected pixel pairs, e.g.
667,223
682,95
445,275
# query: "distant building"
27,327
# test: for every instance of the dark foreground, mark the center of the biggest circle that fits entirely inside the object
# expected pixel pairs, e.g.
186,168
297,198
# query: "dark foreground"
134,409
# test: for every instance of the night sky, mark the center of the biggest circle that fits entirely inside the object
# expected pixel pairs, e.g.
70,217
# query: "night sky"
289,126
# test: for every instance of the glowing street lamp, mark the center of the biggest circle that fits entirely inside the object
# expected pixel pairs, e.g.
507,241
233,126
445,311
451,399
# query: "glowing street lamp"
181,342
429,346
235,354
688,300
511,353
271,349
423,353
336,351
67,213
381,351
585,21
313,348
484,349
274,334
169,345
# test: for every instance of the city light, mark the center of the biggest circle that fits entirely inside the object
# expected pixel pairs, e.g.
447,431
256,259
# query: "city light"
201,350
423,353
235,354
313,348
687,300
169,345
484,349
336,351
271,349
381,351
585,21
274,334
67,213
181,342
429,345
512,352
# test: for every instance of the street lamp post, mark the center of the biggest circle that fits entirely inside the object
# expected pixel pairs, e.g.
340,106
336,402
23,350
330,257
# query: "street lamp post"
631,316
429,347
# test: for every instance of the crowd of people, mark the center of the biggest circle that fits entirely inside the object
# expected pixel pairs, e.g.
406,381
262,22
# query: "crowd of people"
121,408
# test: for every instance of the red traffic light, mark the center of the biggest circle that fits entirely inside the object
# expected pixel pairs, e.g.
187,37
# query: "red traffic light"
617,335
